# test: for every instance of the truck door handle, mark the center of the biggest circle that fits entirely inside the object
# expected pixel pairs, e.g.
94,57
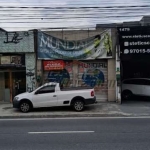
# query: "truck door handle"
54,95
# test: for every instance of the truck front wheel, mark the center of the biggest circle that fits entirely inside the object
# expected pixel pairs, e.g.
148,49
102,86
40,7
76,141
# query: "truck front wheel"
78,105
25,106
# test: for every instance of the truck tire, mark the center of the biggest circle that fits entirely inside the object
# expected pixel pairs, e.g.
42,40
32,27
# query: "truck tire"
25,106
78,105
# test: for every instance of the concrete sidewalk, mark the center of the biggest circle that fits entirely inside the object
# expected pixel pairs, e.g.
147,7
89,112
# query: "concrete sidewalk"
101,109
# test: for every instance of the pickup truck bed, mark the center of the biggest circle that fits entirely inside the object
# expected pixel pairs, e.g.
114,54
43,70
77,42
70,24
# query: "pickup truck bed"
75,88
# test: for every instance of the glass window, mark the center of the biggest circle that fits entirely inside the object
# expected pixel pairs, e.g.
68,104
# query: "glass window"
137,82
128,82
146,82
47,89
141,82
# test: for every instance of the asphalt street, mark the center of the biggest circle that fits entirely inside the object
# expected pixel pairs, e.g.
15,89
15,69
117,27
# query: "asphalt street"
75,134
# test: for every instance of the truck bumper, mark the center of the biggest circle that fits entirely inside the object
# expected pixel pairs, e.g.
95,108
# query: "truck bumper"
90,101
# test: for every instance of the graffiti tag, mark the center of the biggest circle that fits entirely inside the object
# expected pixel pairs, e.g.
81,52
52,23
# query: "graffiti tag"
12,37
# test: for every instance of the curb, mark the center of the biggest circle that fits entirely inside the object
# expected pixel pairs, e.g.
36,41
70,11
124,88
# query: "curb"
65,116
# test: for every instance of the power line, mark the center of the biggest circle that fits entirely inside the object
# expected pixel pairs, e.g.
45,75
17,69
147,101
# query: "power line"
70,8
74,7
55,18
48,15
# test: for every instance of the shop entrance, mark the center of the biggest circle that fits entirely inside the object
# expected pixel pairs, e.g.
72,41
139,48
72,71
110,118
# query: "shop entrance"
134,55
12,82
135,69
135,77
19,82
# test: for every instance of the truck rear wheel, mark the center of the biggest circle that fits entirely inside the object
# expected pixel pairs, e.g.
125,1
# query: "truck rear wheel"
78,105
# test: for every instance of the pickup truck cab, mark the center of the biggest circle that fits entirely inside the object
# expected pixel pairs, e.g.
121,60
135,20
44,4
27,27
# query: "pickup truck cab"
51,94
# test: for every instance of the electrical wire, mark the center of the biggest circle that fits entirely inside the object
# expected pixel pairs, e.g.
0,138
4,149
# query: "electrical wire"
32,15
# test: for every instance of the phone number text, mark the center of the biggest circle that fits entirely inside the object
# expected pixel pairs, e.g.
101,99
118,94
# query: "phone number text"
139,50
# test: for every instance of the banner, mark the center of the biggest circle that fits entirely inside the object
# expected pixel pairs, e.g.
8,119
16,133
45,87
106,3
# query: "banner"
96,47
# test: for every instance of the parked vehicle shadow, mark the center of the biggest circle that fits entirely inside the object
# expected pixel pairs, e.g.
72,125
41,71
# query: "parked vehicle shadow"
137,99
60,109
52,109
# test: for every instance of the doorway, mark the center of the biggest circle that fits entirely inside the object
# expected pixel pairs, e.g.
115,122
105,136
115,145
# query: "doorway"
12,82
18,82
135,69
135,76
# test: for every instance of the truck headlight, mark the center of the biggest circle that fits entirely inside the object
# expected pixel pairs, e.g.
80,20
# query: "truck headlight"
16,98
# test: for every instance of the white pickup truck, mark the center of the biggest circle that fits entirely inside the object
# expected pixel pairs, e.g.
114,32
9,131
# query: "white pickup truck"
51,94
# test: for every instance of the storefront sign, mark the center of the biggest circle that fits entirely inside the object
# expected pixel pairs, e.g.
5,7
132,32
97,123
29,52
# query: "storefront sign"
92,65
5,60
53,65
134,41
17,60
96,47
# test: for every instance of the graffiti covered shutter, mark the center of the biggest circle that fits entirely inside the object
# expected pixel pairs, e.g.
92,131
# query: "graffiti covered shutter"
64,76
87,73
94,73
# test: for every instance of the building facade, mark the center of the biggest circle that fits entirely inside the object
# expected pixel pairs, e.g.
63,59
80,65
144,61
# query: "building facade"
132,51
79,58
17,63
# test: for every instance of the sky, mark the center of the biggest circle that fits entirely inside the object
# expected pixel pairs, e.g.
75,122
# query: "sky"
41,14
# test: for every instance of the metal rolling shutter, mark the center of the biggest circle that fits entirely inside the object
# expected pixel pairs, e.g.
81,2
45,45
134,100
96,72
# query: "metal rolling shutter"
96,68
68,67
92,73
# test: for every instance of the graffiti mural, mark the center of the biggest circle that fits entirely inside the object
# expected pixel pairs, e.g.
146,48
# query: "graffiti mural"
93,74
64,76
69,68
12,37
85,73
93,77
61,76
30,72
17,41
